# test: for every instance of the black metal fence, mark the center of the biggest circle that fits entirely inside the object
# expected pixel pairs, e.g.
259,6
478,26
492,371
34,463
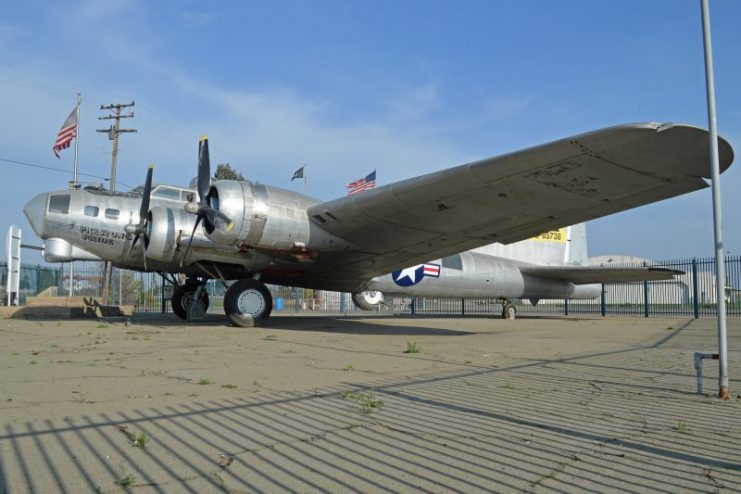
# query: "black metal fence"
692,294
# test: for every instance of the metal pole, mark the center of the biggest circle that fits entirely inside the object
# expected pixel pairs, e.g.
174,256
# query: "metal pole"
74,185
77,142
695,301
645,299
720,271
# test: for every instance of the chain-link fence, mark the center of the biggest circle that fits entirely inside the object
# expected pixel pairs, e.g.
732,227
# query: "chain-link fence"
692,294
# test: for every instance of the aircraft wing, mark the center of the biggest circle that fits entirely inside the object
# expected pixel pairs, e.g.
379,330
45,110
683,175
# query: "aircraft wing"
583,275
515,196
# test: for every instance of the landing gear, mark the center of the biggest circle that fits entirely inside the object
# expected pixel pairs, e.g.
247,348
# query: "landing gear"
370,300
508,311
190,301
248,302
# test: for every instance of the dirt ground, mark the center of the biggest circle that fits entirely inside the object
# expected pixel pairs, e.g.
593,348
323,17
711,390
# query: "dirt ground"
314,404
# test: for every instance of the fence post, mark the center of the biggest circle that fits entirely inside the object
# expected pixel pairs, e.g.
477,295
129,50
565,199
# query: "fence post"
463,306
695,302
162,295
645,299
602,300
565,307
38,278
414,303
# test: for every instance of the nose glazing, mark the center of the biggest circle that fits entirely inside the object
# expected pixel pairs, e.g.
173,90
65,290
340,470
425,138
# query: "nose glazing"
34,212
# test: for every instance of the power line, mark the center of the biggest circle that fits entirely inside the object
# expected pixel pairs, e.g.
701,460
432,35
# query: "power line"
62,170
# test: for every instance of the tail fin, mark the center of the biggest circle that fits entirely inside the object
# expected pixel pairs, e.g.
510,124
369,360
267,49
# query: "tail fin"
563,246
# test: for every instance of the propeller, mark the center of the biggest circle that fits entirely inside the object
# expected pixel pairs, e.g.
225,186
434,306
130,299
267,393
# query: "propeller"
211,217
140,229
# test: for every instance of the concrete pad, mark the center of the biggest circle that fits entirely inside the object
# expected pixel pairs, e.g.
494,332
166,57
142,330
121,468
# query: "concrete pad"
334,404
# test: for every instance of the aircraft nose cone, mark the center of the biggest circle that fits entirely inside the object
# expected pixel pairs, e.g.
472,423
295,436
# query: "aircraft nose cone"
34,211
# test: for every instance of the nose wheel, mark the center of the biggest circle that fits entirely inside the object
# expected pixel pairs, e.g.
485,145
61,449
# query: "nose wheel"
248,303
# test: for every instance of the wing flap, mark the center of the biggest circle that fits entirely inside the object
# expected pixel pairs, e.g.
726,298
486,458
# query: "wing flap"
582,275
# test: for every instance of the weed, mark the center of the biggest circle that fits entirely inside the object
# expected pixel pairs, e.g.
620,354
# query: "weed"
229,386
670,328
205,381
348,367
681,427
16,353
270,337
369,401
412,347
126,481
101,326
65,361
468,362
99,490
54,345
141,440
33,362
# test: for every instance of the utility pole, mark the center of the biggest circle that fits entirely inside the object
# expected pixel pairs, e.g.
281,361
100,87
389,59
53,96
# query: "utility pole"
113,131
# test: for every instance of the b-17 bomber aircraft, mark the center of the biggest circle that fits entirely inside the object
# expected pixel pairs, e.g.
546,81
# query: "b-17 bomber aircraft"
460,232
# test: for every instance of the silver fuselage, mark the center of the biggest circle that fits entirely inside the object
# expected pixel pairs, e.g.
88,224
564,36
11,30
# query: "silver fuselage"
273,238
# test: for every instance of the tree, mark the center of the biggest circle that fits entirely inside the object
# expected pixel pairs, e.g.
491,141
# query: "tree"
224,171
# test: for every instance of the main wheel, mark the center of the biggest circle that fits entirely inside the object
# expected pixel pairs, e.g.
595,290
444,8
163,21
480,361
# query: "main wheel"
248,302
184,296
509,311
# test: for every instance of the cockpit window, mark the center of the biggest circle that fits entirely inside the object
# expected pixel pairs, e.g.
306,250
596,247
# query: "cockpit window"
111,214
59,204
166,193
91,211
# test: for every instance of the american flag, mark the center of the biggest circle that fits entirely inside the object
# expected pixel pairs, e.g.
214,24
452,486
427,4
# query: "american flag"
365,183
66,133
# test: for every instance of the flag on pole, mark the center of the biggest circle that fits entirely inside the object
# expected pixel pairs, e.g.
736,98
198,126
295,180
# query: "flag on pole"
298,173
66,133
365,183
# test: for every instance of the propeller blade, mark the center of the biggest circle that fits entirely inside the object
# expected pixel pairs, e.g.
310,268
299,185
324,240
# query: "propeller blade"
190,242
144,209
131,249
218,219
204,168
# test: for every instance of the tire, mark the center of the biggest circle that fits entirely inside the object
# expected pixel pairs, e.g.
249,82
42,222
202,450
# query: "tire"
182,296
369,300
509,311
248,303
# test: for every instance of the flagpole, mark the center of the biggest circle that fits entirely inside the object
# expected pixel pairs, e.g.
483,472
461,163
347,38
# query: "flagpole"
74,185
77,142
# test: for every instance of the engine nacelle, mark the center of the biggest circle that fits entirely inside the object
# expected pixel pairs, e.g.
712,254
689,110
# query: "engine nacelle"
368,300
163,227
265,217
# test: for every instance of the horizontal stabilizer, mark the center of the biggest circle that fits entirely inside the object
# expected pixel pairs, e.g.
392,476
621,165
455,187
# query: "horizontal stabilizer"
583,275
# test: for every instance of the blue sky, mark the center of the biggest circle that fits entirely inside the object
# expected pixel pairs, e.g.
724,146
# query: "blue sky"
348,86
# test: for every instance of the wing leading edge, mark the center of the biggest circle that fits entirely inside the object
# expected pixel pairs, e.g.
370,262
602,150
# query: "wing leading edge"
514,196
